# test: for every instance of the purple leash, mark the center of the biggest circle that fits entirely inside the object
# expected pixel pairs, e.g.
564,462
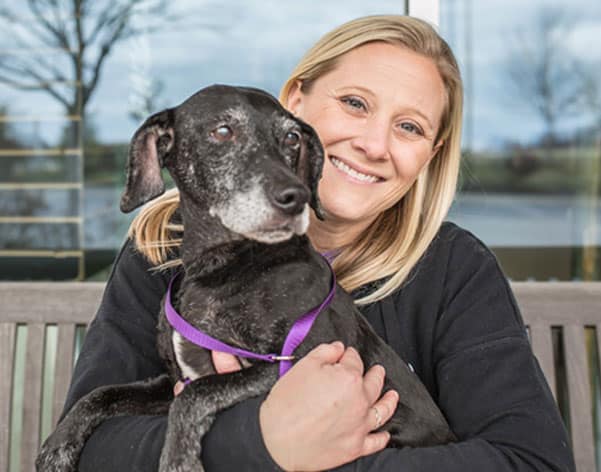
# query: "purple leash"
296,335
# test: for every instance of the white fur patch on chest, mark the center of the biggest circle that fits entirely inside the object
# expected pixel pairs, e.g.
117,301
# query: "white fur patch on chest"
187,371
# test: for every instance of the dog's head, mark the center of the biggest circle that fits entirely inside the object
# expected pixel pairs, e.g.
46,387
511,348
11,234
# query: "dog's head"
235,153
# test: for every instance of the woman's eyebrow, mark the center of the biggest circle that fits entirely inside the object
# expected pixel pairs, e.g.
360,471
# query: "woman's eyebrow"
356,87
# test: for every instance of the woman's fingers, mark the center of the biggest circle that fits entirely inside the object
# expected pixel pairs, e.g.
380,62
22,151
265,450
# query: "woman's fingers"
373,382
352,360
382,410
327,353
385,408
178,388
375,442
225,363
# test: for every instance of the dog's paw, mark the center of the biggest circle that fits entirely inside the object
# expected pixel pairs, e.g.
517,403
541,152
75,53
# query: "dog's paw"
57,456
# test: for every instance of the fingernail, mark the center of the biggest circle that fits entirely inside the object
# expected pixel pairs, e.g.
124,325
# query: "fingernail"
338,344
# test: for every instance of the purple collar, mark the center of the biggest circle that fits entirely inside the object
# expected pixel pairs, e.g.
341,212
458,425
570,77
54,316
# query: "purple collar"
296,335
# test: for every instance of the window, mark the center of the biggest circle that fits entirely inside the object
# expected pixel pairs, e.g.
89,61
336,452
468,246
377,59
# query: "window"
64,129
531,177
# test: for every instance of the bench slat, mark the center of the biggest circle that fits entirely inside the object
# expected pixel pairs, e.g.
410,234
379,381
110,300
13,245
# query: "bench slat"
542,344
558,303
8,334
51,302
32,395
580,397
63,368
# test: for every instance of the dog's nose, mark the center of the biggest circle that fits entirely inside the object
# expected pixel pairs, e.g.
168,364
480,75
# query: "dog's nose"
291,200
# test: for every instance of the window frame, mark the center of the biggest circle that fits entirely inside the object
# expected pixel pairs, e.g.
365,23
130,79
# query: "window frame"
428,10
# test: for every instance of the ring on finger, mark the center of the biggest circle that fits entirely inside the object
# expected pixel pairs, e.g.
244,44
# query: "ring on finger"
378,417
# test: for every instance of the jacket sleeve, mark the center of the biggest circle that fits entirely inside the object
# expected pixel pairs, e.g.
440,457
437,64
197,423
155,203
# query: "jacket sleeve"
489,384
120,347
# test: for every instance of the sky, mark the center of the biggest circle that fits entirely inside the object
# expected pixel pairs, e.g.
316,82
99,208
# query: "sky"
257,43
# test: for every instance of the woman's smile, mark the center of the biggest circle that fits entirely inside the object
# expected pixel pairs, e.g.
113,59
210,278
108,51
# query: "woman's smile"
353,173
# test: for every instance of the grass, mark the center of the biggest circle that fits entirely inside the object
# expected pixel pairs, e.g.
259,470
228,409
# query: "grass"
552,172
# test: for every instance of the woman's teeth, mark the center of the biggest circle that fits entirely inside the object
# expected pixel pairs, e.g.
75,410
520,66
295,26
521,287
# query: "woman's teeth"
352,172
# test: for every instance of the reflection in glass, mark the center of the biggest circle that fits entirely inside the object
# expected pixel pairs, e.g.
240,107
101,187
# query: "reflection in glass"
531,181
39,202
136,58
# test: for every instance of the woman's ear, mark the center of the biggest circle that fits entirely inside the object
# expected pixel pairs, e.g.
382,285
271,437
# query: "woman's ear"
294,101
436,148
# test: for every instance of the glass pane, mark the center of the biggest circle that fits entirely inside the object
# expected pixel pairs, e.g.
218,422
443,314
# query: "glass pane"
52,167
43,236
24,203
29,100
531,180
49,101
51,132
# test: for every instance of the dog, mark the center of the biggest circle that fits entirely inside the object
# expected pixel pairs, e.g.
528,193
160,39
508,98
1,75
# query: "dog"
247,171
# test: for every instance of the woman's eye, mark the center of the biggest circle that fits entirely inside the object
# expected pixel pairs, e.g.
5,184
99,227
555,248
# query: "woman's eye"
292,139
411,128
223,133
354,103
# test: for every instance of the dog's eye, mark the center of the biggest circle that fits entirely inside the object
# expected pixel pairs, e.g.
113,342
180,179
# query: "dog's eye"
292,139
223,133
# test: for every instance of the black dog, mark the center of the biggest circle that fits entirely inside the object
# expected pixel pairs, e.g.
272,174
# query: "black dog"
246,170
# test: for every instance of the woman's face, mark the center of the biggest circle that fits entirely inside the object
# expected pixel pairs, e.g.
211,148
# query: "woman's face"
377,114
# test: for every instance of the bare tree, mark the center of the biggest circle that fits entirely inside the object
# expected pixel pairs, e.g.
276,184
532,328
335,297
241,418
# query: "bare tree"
541,69
84,31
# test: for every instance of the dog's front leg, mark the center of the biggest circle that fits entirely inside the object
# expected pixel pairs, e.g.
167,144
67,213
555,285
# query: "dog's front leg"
193,411
60,452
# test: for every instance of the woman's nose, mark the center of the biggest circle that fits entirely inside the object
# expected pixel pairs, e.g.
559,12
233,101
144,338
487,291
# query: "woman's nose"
373,139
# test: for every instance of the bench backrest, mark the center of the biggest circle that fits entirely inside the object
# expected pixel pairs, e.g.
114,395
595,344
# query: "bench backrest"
37,306
559,316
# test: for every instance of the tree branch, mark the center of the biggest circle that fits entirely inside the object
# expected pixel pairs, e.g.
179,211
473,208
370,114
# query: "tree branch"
52,29
14,22
105,49
86,36
41,85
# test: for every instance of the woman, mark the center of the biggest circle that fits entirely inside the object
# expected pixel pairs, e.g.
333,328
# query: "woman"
384,94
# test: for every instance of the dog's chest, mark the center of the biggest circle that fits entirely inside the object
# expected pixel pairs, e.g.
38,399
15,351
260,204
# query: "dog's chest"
226,322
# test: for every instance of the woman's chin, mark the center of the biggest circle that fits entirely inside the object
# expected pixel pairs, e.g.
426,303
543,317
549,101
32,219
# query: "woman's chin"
346,203
345,212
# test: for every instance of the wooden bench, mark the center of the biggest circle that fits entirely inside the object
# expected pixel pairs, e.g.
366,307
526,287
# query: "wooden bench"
564,320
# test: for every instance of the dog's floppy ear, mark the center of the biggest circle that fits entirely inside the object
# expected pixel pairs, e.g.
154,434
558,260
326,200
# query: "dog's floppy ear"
310,165
149,146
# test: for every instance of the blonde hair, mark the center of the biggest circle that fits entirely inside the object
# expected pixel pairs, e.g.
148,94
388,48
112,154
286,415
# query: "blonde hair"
398,238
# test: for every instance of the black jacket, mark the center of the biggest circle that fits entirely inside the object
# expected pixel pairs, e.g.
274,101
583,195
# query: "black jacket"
455,321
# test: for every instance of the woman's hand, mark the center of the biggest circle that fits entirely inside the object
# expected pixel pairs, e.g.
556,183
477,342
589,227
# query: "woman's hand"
321,414
223,363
